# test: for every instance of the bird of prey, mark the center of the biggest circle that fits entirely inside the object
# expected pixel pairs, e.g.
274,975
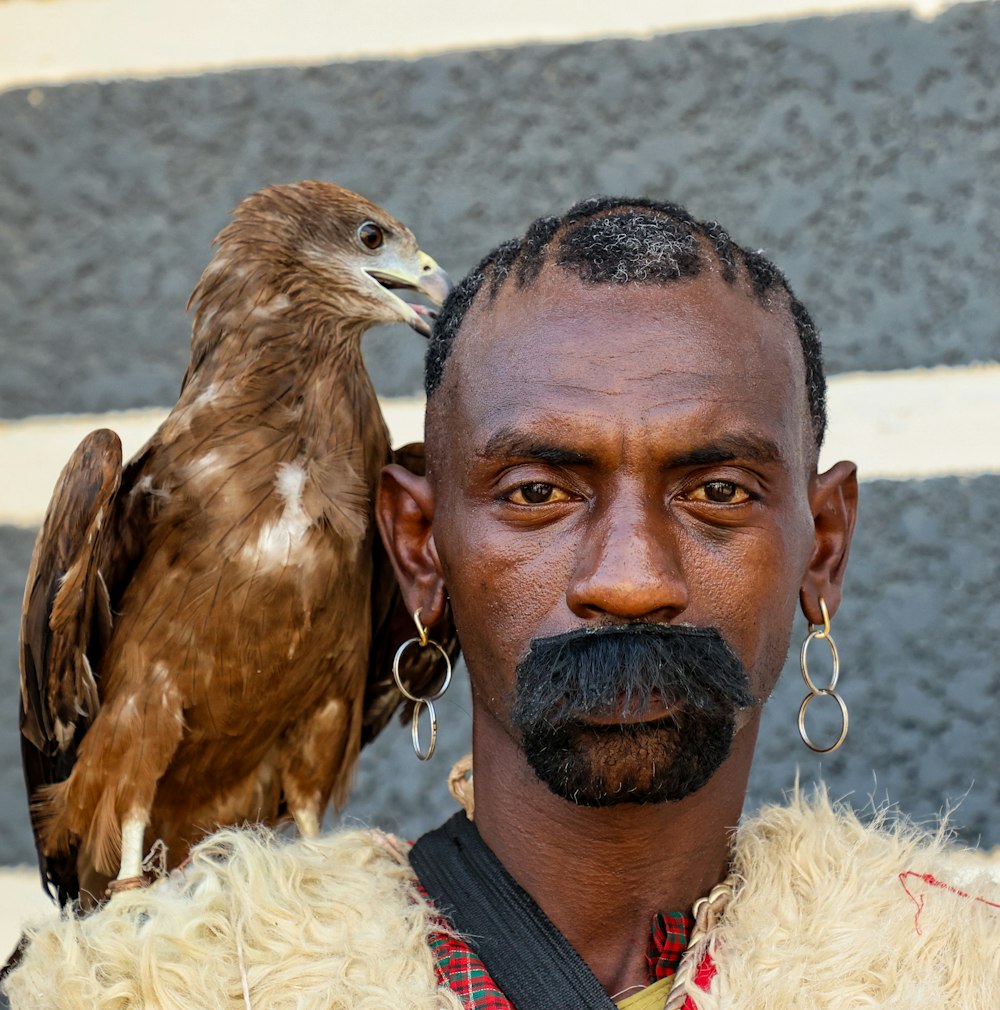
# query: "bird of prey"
198,626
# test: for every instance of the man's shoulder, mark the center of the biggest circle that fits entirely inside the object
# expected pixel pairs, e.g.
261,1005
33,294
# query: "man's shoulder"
830,902
301,923
813,837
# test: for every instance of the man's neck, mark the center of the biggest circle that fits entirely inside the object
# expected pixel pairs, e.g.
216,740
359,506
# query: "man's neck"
600,874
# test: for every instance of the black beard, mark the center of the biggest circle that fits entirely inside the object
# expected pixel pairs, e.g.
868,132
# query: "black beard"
603,671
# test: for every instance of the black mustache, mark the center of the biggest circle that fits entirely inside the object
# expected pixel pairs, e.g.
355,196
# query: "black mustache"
595,671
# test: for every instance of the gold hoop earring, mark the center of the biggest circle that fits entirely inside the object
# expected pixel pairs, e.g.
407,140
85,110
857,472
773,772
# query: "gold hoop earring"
425,702
822,634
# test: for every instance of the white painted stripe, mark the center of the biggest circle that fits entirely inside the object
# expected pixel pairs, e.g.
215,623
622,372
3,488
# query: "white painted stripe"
37,448
923,422
897,425
22,901
63,40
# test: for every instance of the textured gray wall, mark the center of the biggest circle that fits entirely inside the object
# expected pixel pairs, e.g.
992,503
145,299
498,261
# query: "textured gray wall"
862,152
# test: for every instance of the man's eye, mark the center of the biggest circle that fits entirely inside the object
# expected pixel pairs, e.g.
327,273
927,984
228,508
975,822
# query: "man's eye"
536,493
722,492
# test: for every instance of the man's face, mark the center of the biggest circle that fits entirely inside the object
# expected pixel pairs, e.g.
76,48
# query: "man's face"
621,454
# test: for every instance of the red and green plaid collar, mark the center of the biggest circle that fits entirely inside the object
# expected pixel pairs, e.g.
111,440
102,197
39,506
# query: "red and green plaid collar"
459,968
668,939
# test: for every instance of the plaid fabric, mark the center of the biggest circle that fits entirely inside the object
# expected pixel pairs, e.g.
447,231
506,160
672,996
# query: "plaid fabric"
667,942
460,969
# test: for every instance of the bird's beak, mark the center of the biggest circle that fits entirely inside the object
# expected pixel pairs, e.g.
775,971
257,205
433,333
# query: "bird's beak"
427,279
434,282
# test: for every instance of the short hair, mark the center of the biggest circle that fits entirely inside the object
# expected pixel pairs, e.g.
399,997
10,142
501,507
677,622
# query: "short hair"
627,240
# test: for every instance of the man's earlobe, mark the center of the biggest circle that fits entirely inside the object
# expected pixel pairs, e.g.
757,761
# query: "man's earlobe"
404,510
834,501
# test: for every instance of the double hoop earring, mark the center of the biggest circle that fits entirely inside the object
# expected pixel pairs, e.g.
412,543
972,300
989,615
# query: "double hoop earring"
830,691
428,701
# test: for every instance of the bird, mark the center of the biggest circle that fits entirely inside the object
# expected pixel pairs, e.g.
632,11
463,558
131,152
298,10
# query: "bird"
203,627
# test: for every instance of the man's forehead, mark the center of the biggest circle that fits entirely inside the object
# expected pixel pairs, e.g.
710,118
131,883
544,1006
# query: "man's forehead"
591,334
562,352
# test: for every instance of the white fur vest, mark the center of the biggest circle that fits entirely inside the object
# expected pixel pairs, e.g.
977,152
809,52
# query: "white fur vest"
829,914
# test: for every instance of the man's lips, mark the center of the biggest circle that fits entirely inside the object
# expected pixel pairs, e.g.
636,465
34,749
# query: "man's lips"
636,712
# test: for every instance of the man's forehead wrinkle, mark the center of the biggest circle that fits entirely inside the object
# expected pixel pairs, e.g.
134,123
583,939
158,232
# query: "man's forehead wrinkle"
540,388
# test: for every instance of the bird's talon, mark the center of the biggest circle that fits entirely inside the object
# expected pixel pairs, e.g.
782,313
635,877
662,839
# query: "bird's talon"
126,884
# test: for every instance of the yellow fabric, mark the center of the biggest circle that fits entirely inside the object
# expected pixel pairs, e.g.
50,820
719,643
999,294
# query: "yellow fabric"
653,997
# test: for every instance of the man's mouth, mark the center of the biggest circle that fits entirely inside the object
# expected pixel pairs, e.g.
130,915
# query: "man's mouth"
633,711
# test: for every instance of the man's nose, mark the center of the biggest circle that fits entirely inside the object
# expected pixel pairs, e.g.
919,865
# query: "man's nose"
629,565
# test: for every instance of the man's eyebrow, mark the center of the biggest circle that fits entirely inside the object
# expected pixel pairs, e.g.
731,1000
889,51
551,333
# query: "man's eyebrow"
728,448
509,442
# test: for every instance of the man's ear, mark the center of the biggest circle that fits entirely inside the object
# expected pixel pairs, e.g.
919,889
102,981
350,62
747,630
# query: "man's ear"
833,497
404,509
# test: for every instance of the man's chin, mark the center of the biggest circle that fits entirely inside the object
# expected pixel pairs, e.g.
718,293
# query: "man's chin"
598,765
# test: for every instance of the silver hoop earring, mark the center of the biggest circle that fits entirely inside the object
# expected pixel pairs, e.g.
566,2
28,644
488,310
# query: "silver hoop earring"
423,641
830,691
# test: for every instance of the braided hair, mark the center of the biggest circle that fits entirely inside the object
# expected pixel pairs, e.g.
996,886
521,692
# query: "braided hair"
625,240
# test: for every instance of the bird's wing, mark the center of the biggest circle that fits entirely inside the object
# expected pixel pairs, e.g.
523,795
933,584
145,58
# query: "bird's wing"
422,670
66,619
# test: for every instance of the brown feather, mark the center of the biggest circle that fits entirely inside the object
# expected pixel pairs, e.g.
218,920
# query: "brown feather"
65,623
238,556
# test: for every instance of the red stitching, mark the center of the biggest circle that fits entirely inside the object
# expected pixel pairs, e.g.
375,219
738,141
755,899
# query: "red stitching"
929,878
704,973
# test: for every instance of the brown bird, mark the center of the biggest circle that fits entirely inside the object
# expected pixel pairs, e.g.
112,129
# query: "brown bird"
197,631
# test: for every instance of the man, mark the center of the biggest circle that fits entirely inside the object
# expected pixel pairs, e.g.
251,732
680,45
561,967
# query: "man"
620,434
622,506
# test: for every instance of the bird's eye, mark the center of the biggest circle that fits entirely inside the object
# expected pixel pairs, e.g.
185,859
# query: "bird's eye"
370,235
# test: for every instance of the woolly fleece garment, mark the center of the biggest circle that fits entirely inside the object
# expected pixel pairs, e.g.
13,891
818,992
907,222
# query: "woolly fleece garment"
829,914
